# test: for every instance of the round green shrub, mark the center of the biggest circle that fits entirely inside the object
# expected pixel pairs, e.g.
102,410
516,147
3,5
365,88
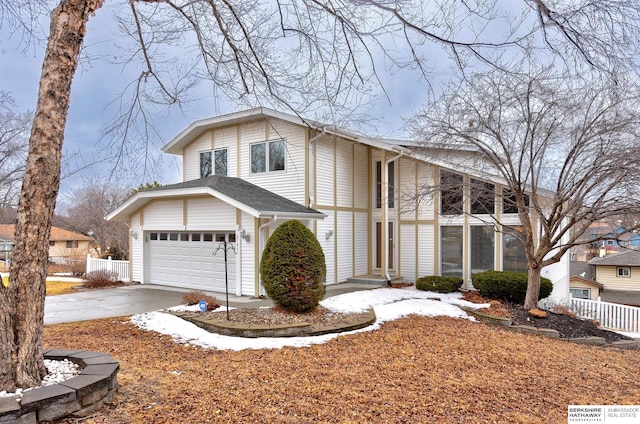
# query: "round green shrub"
508,285
293,268
439,284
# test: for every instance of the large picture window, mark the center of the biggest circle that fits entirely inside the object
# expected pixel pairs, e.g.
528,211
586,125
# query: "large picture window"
514,257
451,251
451,193
482,248
391,177
270,153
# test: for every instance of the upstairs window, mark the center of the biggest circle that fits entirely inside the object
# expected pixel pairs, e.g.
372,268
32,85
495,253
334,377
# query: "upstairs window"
268,156
623,271
213,163
510,202
391,176
482,197
72,244
451,193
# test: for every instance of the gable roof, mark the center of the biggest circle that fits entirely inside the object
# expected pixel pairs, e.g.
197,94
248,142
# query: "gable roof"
628,258
588,282
237,192
57,234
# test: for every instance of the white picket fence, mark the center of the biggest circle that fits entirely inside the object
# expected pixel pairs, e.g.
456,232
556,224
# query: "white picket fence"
612,316
119,267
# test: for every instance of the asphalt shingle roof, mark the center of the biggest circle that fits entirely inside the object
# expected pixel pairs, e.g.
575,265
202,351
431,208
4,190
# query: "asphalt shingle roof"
628,258
246,193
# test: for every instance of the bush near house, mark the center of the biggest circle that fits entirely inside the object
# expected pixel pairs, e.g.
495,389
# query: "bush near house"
293,268
439,284
101,279
507,285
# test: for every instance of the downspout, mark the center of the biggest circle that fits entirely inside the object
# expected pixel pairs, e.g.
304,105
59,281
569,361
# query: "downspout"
311,170
385,213
262,243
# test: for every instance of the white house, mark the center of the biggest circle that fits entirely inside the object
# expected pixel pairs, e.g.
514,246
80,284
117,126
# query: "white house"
245,173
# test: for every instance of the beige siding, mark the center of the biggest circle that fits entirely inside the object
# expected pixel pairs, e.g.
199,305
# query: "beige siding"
407,189
360,177
209,214
328,244
247,270
344,255
426,249
226,138
407,254
607,276
136,254
426,177
344,175
164,215
361,243
191,156
325,173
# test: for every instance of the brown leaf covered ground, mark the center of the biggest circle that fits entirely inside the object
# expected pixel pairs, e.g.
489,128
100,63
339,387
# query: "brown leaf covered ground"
413,370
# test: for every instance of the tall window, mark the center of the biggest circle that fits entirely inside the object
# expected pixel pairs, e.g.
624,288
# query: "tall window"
482,248
270,153
221,162
205,164
514,257
451,251
391,178
482,197
510,201
451,193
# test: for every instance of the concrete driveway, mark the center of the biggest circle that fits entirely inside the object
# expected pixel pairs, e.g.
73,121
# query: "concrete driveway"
129,300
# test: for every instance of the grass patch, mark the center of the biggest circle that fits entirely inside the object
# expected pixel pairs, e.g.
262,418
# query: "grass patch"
55,288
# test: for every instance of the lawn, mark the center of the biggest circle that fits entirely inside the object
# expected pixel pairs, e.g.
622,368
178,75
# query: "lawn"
54,288
413,370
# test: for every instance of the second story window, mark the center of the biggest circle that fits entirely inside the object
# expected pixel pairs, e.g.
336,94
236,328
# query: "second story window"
482,197
391,175
213,163
510,201
451,193
268,156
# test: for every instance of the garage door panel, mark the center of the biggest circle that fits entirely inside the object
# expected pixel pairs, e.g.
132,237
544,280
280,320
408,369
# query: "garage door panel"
189,264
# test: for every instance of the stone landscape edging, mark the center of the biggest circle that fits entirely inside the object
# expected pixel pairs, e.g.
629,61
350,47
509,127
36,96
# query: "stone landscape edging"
550,333
78,396
301,329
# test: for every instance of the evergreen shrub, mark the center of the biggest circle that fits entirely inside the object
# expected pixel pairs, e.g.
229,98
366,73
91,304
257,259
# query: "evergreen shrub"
439,284
508,285
293,268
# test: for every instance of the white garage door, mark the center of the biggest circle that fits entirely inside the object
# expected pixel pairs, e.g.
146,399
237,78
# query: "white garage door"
187,260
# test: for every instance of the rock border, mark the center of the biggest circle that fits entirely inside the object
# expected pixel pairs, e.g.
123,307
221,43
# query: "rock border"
552,334
78,396
238,329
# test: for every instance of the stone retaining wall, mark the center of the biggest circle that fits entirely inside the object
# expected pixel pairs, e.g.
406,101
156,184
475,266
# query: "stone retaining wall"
78,396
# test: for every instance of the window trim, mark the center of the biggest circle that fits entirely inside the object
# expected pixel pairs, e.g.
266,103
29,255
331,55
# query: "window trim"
620,271
213,162
267,156
588,294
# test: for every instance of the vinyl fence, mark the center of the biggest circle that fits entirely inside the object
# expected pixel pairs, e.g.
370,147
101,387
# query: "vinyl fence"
119,267
612,316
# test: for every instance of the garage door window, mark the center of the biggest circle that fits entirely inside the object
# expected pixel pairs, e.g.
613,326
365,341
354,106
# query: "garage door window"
184,236
163,236
207,237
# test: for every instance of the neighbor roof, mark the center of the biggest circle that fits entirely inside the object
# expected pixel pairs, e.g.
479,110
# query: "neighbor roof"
237,192
628,258
57,234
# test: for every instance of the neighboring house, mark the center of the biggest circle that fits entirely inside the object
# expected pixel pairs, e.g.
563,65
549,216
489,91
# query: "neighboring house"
247,172
63,245
582,288
619,272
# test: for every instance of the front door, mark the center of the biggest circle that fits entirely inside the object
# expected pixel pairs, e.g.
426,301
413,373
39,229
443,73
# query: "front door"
390,245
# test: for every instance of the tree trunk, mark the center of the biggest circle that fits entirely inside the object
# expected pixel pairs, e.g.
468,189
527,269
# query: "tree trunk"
22,303
533,286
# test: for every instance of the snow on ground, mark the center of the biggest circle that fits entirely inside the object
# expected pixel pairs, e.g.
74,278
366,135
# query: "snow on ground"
59,371
388,304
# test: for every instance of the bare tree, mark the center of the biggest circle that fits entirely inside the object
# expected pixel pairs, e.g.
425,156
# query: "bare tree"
14,140
87,207
563,151
299,54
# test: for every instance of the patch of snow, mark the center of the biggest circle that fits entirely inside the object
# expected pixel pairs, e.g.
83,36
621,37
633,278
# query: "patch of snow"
58,371
194,308
388,305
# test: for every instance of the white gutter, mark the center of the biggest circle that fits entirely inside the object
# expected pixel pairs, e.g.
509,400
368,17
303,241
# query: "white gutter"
385,208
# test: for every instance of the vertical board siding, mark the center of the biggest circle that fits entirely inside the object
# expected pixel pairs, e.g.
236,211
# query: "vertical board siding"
328,245
344,255
361,243
426,245
360,177
191,156
164,215
407,253
210,214
137,250
344,175
407,189
426,177
248,256
325,175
